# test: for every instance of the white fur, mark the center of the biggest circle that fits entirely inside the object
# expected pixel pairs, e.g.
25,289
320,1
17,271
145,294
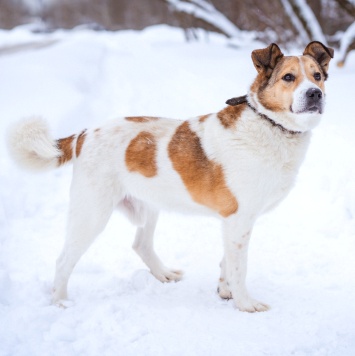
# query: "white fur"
260,163
31,145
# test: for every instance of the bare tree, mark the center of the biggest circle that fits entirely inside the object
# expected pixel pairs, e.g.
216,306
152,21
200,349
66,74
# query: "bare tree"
303,36
13,13
206,12
347,41
304,20
347,44
348,6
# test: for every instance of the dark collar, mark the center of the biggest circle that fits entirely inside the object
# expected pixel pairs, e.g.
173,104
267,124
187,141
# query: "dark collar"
244,99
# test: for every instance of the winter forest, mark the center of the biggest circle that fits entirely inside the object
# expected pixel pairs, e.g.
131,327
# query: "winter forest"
281,21
80,63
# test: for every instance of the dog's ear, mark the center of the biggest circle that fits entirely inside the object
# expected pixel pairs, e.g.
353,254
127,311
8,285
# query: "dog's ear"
265,59
321,54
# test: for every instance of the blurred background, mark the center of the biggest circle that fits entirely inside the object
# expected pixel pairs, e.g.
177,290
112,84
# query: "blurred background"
78,63
287,22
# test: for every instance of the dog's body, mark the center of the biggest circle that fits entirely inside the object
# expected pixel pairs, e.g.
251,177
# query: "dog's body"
234,165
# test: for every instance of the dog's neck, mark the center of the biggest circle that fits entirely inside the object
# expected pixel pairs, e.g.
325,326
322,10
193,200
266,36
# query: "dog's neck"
273,123
244,99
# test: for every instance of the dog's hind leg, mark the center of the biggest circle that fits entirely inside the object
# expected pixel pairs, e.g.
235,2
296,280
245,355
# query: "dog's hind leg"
143,245
89,212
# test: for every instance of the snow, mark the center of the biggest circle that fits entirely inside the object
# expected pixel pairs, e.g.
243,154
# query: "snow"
301,255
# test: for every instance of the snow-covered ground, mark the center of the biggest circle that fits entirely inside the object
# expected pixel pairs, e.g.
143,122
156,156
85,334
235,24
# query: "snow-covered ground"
301,256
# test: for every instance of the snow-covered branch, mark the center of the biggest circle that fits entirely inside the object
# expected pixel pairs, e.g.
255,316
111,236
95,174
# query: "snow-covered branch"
304,20
205,11
295,21
312,23
347,40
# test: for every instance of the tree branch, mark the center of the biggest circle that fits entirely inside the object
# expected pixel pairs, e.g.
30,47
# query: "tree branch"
205,11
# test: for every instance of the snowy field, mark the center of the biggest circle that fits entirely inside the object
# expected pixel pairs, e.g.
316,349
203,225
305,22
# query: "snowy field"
302,255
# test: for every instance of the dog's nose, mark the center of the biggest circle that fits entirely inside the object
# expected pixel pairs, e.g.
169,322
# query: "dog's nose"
314,95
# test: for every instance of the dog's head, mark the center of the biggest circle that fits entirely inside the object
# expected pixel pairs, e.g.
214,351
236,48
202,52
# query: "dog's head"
290,89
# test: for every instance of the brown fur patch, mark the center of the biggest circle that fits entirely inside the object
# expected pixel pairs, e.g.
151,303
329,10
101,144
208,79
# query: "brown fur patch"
79,142
141,155
65,145
259,84
203,178
140,119
203,118
229,115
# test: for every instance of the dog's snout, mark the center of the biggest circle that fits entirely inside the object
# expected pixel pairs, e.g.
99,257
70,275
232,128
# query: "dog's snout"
314,94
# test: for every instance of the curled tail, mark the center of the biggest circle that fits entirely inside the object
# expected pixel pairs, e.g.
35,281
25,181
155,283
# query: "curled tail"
32,147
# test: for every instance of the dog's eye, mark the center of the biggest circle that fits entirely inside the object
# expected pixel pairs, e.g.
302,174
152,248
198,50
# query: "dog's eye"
288,77
317,76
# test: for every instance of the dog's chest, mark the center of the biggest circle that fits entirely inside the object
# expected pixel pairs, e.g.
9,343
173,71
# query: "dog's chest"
277,178
265,170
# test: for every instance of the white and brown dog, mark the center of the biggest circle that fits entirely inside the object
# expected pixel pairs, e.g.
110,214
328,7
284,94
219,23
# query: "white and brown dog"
234,165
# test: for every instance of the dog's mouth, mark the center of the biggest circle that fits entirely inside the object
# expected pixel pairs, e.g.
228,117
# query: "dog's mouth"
314,109
311,109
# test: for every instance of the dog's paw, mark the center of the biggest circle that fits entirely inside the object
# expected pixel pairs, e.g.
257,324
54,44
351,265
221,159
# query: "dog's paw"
251,305
223,290
62,303
60,298
166,275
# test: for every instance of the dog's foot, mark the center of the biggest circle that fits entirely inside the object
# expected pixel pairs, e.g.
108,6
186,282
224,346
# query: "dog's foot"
63,303
251,305
167,275
224,293
60,298
223,290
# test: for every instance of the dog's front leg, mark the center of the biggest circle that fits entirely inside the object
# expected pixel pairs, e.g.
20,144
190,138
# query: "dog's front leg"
236,236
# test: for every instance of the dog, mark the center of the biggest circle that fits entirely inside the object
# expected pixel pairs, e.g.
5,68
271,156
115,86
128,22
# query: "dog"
234,165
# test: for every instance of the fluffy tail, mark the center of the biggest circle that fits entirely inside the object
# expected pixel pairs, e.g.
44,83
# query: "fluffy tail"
31,145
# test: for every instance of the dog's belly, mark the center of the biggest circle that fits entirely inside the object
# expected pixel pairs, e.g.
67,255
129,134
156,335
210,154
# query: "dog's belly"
166,192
